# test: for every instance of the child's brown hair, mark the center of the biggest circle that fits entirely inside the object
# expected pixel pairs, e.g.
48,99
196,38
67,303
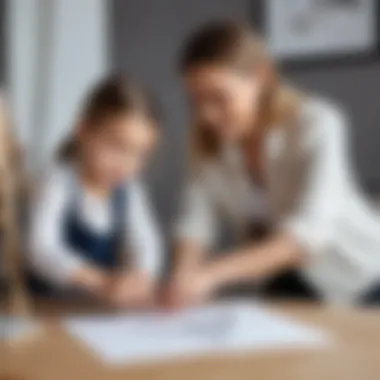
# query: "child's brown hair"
113,96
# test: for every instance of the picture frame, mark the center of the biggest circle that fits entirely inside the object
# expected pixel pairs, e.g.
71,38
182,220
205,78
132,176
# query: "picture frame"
341,32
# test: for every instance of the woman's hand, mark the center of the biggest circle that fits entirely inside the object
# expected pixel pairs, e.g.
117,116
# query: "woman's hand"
190,287
132,289
195,284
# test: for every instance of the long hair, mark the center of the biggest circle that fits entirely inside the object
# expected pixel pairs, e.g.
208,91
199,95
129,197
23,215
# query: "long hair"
114,95
236,46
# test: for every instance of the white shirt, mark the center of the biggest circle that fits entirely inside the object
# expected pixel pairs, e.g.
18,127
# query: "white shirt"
311,193
55,260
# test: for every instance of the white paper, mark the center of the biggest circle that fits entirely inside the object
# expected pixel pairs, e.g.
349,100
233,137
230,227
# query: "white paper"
215,329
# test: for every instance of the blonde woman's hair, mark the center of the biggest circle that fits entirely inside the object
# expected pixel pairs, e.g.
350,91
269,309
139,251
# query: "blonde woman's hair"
237,46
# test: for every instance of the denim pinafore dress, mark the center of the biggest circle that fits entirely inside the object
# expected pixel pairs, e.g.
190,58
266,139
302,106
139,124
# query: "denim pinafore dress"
100,249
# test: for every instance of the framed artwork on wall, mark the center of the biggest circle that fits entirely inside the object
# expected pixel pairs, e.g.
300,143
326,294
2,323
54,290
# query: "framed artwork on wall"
309,32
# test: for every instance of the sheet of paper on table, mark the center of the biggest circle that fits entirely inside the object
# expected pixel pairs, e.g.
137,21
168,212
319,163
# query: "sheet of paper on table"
221,328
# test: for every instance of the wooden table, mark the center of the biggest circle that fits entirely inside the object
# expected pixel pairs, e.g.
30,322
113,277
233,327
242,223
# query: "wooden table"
53,355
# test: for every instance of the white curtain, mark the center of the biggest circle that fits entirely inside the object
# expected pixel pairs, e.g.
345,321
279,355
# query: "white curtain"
57,48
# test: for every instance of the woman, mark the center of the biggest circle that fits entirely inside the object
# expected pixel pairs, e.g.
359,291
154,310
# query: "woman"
264,151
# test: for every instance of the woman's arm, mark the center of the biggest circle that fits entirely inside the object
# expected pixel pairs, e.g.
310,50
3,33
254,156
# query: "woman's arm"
251,263
280,252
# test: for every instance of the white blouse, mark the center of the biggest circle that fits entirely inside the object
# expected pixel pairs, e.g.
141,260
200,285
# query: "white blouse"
53,259
311,193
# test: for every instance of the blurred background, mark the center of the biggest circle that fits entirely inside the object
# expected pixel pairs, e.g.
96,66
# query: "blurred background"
52,50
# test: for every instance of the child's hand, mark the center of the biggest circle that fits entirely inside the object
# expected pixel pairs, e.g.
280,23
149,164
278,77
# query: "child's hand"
186,288
132,289
92,280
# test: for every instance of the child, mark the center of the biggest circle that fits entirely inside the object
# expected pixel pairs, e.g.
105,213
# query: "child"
92,228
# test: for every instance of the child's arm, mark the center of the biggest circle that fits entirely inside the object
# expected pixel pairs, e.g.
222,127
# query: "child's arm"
144,238
50,257
136,286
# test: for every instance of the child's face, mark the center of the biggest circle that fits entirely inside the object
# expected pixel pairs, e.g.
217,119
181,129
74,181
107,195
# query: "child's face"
118,150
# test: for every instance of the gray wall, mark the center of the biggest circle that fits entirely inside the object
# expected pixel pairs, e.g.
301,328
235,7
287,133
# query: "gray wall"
145,40
3,47
357,88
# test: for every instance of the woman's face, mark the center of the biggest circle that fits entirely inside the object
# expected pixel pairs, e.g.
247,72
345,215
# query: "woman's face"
223,99
119,149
